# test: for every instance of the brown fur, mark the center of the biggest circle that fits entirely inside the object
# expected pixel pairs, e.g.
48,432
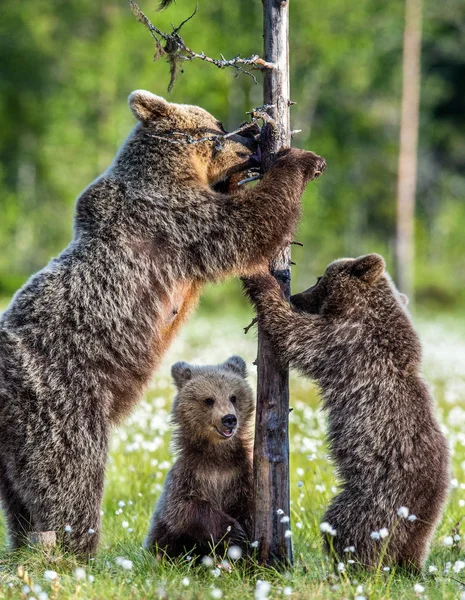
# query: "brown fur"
352,334
207,499
82,338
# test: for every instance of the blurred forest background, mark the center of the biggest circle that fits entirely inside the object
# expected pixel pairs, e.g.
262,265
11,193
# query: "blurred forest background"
67,67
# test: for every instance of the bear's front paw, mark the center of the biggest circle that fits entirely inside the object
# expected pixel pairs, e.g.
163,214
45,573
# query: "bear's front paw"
259,284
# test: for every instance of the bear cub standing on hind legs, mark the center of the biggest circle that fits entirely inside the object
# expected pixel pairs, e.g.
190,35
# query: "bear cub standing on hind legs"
351,333
207,499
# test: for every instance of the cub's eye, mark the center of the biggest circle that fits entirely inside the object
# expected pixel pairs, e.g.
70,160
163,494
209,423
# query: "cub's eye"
209,402
233,399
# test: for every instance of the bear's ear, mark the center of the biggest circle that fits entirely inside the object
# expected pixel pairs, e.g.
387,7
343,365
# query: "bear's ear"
237,365
181,372
368,268
147,106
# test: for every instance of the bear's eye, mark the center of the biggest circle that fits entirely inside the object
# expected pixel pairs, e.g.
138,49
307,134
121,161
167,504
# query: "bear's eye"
233,399
209,402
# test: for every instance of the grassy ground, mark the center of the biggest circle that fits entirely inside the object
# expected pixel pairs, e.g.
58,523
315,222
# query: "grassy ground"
138,464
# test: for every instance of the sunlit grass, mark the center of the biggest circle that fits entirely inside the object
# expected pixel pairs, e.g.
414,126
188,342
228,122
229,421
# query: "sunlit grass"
140,459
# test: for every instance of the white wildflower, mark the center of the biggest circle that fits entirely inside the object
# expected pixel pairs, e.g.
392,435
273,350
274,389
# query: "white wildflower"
287,591
349,549
412,518
459,565
68,529
299,525
457,537
403,512
124,524
90,530
383,533
50,575
284,519
216,572
341,567
279,512
216,593
454,483
432,569
254,544
207,561
185,582
375,535
288,533
418,588
262,589
448,541
125,563
79,573
234,552
121,503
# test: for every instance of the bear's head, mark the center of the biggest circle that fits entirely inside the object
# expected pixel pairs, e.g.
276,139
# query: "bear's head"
197,135
213,403
350,286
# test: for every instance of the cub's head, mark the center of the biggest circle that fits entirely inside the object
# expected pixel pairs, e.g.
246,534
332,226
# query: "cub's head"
215,162
350,285
213,403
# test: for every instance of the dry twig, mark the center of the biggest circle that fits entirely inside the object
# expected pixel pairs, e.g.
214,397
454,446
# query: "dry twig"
176,50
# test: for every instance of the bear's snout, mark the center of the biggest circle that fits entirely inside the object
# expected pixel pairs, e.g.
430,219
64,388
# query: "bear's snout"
229,421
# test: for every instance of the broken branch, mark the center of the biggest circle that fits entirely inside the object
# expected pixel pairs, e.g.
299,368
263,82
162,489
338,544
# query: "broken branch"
177,50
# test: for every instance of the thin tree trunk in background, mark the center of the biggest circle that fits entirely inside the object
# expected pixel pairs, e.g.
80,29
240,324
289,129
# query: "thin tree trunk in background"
271,450
407,169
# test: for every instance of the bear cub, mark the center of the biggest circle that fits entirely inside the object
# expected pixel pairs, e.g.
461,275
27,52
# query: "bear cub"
207,498
352,334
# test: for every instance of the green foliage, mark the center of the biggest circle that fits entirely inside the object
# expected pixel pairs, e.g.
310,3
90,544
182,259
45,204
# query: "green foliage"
68,66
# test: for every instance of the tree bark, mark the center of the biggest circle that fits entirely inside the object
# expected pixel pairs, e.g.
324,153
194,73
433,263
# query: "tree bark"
407,169
271,449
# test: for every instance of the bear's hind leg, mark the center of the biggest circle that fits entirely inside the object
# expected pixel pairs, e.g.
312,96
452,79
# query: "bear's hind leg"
18,517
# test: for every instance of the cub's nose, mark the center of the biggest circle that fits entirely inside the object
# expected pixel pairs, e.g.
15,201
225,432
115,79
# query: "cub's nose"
229,421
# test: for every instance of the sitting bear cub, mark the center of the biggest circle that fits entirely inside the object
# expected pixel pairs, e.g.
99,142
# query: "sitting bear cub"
207,499
352,334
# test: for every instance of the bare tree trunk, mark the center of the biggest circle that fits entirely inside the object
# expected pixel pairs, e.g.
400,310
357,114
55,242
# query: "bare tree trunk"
407,170
271,450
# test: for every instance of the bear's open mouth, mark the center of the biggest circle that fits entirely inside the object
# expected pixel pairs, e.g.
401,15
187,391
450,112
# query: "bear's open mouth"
226,433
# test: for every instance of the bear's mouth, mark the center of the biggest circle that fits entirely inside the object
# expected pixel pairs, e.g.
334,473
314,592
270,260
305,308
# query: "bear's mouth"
226,433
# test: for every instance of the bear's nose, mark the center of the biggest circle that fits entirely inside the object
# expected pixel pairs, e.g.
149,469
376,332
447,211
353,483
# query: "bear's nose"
229,421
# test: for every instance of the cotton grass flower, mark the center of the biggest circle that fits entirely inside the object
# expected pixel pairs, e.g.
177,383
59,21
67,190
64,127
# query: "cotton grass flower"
185,582
234,552
326,528
124,563
50,575
459,565
216,593
418,588
375,535
448,541
79,573
287,591
262,589
403,512
383,533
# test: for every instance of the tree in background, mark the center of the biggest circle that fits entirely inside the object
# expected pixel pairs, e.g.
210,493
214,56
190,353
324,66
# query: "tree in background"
407,170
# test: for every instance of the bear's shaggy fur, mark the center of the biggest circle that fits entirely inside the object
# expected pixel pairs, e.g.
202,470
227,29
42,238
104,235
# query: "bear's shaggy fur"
207,499
81,339
351,333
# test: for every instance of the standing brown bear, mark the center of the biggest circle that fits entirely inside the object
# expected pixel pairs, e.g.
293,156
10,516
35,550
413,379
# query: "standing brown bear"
207,499
82,338
351,333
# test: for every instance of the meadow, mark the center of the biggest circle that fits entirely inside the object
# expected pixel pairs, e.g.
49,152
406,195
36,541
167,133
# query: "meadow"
140,459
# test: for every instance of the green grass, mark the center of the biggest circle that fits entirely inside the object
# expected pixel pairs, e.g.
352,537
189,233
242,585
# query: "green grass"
140,458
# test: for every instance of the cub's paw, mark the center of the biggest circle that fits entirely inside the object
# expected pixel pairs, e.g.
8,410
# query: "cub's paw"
236,535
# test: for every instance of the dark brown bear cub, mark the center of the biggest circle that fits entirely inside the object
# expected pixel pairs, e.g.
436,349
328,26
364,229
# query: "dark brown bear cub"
351,333
207,499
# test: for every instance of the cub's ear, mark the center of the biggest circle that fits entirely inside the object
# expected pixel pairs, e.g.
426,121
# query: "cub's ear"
147,106
237,365
368,268
181,372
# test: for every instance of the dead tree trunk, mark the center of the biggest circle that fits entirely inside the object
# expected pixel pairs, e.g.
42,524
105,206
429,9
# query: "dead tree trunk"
407,170
271,450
